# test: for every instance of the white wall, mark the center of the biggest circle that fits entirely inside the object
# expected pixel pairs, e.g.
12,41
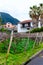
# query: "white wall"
39,24
31,24
19,29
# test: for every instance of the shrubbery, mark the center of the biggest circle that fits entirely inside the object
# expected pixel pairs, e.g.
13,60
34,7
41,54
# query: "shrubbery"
5,30
18,45
36,30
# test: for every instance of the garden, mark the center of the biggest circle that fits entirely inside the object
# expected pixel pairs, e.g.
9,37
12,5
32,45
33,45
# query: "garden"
21,50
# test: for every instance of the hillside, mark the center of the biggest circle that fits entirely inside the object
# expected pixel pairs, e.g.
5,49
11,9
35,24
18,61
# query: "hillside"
8,18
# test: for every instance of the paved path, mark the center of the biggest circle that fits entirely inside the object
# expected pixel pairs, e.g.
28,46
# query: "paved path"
37,61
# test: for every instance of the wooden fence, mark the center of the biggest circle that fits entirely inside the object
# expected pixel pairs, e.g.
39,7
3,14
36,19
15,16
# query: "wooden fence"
29,35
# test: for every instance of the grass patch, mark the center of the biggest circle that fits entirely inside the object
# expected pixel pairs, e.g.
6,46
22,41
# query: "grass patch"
18,45
19,57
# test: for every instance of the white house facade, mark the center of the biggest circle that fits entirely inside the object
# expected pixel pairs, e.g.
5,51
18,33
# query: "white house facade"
26,25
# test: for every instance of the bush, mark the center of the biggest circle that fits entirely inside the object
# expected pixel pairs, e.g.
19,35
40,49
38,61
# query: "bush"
18,45
5,30
36,30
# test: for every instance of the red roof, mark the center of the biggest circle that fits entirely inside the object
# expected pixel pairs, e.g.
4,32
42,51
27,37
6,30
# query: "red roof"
26,21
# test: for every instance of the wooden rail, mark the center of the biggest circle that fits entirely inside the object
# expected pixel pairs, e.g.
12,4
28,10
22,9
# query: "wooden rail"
30,35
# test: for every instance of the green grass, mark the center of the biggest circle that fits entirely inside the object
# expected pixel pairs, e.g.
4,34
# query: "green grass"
18,45
19,58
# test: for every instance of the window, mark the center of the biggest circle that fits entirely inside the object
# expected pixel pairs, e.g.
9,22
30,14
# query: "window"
23,25
26,25
8,25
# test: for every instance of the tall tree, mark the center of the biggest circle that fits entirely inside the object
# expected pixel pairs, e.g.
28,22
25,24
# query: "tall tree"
34,14
41,13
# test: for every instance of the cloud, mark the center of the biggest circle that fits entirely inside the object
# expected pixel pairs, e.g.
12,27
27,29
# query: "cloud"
18,8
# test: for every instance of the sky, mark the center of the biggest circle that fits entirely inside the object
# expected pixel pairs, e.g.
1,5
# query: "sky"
18,8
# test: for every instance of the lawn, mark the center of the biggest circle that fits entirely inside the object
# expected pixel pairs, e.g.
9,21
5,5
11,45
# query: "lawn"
19,56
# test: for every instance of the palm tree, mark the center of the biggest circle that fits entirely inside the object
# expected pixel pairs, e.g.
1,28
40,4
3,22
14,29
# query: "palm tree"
41,13
34,14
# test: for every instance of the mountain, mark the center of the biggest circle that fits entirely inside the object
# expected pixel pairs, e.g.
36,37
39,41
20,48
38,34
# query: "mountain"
8,18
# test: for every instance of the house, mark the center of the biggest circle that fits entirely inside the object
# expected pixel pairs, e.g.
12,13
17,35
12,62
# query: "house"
26,25
10,26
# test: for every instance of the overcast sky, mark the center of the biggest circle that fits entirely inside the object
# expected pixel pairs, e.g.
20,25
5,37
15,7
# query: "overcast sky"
18,8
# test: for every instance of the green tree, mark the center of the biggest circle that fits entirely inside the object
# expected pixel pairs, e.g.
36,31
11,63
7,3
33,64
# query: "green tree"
0,20
41,12
34,14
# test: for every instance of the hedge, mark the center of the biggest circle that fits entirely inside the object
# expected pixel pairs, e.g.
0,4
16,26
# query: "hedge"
36,30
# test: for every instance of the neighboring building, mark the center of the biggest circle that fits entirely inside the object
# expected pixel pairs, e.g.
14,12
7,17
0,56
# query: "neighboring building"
9,26
24,26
